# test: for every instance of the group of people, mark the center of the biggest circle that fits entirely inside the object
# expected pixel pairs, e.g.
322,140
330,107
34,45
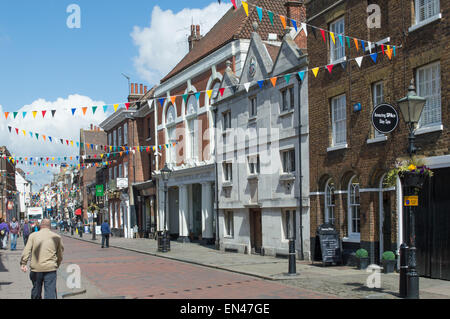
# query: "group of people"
14,230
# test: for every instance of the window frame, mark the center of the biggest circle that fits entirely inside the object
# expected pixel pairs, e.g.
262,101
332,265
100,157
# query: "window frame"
229,224
335,48
427,15
376,101
334,121
253,107
254,167
438,80
330,202
227,172
288,161
226,118
287,219
350,209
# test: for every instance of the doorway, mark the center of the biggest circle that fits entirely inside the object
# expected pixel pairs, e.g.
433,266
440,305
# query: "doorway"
197,211
385,219
255,231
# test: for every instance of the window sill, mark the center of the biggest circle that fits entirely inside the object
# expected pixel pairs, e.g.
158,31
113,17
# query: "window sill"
253,177
252,119
429,129
338,61
227,184
228,237
377,139
352,239
425,22
338,147
286,113
286,177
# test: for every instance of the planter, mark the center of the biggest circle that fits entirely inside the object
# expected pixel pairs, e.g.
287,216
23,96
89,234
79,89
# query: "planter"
389,266
413,179
363,263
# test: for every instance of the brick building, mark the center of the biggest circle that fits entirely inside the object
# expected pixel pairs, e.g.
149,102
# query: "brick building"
189,120
348,159
7,184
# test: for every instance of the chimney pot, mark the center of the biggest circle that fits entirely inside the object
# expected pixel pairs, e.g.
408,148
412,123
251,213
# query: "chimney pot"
132,88
145,89
142,89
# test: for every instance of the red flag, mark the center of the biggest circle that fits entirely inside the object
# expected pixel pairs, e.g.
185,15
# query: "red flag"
222,90
17,131
43,113
382,48
323,35
330,67
234,4
127,105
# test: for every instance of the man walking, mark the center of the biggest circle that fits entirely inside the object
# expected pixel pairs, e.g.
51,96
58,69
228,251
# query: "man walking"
14,228
46,251
106,231
26,231
4,232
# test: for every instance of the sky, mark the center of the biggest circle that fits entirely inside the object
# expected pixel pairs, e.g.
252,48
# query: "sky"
45,64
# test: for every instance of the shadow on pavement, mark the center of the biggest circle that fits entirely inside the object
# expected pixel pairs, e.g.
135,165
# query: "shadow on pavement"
360,287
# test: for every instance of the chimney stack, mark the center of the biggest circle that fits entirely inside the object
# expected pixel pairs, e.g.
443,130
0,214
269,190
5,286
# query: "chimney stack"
145,89
141,89
132,88
194,37
296,10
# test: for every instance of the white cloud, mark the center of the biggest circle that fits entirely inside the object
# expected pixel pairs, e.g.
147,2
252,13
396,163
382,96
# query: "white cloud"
63,125
163,44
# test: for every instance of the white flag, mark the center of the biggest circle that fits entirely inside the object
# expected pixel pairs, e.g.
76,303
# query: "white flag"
359,60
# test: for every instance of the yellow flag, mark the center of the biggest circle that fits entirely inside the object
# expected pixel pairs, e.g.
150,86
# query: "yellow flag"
24,133
115,107
315,71
332,37
71,143
209,92
34,114
245,5
101,155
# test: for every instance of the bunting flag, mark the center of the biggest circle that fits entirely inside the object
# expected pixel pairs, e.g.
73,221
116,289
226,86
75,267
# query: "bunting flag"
260,13
323,35
197,95
341,40
348,41
161,101
274,81
9,128
270,14
283,21
173,99
359,60
332,37
209,92
53,113
24,114
43,114
245,6
116,106
315,71
34,113
94,108
6,115
374,57
73,111
127,106
287,78
84,109
301,74
363,46
185,97
294,23
234,4
222,90
105,108
330,67
356,44
304,29
247,86
15,114
261,83
389,53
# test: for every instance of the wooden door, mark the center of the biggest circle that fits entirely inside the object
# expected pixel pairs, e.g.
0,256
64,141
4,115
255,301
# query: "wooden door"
256,230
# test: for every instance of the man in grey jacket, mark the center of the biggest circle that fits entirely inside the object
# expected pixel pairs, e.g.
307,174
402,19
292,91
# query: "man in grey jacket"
46,251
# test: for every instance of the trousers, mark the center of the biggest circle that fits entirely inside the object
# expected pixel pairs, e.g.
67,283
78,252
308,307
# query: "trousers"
46,279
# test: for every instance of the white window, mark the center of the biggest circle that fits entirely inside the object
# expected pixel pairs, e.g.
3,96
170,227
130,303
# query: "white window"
288,161
426,9
337,49
339,120
288,218
115,137
125,169
226,121
429,86
172,150
215,92
229,224
253,165
287,99
354,222
192,105
119,132
193,146
228,172
378,98
330,202
125,134
253,109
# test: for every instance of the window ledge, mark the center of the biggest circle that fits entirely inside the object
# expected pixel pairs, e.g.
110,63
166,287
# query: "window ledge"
429,129
227,184
252,119
338,147
425,22
286,113
286,177
352,239
338,61
252,177
377,139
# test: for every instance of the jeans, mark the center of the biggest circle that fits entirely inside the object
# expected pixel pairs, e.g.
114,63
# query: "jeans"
25,239
46,279
13,241
105,237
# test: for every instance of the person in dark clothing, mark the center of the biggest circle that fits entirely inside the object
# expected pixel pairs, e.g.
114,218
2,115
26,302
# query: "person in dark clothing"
106,231
26,231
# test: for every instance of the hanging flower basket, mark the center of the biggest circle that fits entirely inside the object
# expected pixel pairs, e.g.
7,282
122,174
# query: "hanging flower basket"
413,179
412,172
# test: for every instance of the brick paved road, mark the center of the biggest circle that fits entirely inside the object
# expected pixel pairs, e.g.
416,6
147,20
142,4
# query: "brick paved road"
122,273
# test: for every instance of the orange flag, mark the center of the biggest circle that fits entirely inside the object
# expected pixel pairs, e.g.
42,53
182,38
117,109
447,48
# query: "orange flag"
283,21
356,44
173,99
84,110
6,114
274,81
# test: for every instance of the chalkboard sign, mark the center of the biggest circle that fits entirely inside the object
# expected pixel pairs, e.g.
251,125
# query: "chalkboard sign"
330,244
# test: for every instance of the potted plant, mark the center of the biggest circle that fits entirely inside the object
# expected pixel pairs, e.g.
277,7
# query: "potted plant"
363,258
389,262
413,172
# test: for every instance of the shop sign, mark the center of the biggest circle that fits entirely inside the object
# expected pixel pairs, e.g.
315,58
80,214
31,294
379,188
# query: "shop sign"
385,118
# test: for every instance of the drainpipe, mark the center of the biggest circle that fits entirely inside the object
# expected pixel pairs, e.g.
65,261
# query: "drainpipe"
217,180
302,255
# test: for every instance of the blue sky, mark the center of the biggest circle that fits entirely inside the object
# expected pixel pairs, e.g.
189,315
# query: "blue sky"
46,65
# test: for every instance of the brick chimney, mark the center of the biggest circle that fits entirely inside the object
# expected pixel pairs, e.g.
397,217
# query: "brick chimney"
296,10
194,37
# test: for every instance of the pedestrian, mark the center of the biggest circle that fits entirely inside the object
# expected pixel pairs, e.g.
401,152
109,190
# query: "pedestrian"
45,249
106,231
72,226
80,229
26,231
14,228
4,232
35,227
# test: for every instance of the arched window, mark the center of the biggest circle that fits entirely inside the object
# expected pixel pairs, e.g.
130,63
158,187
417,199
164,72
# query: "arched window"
215,92
330,202
171,134
192,105
354,222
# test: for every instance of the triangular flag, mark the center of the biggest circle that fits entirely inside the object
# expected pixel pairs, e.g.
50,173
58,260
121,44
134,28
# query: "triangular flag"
15,114
261,83
44,137
161,101
53,113
332,37
34,114
24,114
382,49
348,41
50,138
287,78
341,40
304,29
43,114
389,53
315,71
185,97
24,133
37,136
197,95
84,109
356,44
270,14
245,6
283,21
173,99
116,106
105,107
222,90
127,106
247,86
94,108
374,57
294,23
6,115
17,131
359,60
234,3
209,92
301,74
330,67
260,13
363,46
370,47
9,128
323,35
274,81
73,111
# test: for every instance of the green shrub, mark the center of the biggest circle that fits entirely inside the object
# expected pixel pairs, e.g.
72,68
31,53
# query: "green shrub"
362,253
388,255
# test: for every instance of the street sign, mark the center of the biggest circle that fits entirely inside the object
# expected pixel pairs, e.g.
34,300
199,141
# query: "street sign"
385,118
99,191
411,201
122,183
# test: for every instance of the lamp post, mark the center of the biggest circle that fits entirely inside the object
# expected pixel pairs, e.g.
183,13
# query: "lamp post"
165,172
411,107
292,236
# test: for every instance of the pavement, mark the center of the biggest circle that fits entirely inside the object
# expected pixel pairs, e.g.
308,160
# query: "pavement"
339,281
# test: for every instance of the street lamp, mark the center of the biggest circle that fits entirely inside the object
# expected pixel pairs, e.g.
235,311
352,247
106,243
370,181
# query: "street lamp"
164,244
411,107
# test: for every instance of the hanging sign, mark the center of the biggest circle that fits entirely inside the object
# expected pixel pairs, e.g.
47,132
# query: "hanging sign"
385,118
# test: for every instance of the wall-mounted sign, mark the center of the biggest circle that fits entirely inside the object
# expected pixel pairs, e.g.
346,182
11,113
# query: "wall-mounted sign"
411,201
122,183
99,190
357,107
385,118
